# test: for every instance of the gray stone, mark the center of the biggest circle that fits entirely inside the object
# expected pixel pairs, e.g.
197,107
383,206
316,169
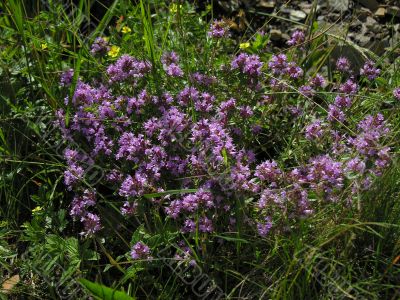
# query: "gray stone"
339,5
363,13
266,4
371,4
371,24
297,15
275,34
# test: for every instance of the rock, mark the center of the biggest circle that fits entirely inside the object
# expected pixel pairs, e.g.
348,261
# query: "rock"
372,25
266,4
297,15
229,6
276,35
363,13
306,7
339,5
371,4
380,12
362,39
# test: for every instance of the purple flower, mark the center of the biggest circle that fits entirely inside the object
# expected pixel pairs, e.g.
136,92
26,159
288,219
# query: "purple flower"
264,228
133,186
268,171
245,111
343,64
80,204
314,130
268,197
383,158
73,174
91,224
132,147
372,129
202,79
189,226
325,173
306,91
355,165
128,208
247,64
369,70
318,81
83,94
205,102
396,93
114,176
100,47
278,64
335,114
218,29
205,225
297,38
140,251
188,95
342,101
174,70
169,58
293,70
66,77
128,67
349,87
174,208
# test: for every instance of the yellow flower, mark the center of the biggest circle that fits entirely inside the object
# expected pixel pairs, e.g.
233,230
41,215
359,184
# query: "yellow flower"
106,38
114,51
126,29
37,209
44,46
244,45
174,8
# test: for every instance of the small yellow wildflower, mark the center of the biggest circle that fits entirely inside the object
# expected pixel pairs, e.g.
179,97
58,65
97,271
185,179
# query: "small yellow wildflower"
106,38
44,46
114,51
126,29
244,45
37,209
174,8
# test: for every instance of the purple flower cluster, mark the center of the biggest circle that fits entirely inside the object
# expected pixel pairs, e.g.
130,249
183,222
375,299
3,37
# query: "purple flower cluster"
297,38
66,77
140,251
314,130
247,64
369,70
128,68
170,63
185,135
396,93
100,47
218,29
343,64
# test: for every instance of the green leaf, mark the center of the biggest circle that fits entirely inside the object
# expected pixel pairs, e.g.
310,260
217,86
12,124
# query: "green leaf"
232,239
102,292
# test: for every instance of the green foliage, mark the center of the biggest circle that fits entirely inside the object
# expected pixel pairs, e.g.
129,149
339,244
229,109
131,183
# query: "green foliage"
102,292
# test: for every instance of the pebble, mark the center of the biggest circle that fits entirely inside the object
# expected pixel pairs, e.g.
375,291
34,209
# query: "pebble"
339,5
297,15
371,4
380,12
